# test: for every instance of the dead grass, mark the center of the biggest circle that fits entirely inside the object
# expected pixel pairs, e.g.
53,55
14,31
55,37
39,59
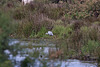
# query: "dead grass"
55,54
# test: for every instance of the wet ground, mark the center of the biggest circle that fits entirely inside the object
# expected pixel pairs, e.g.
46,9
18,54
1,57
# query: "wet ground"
36,53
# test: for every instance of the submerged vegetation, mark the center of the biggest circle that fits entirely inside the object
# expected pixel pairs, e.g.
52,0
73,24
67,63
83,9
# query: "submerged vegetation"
76,22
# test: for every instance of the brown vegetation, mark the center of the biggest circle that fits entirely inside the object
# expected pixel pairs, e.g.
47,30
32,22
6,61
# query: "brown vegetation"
55,54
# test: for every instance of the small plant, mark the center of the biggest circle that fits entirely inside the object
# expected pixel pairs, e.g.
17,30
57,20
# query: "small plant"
32,34
42,32
27,29
85,31
58,29
19,13
90,47
62,31
54,13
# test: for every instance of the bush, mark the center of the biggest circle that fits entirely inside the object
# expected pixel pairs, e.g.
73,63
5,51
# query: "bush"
54,13
61,31
30,28
90,47
42,32
85,33
20,13
27,29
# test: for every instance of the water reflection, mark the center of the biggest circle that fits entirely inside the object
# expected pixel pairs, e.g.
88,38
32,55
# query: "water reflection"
36,54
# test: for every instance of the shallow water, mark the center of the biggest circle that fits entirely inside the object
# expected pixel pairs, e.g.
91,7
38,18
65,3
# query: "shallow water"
37,51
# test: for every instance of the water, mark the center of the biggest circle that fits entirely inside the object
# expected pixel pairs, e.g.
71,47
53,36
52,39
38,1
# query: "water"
36,53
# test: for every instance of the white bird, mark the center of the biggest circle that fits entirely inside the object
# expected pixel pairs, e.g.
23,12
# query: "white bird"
50,33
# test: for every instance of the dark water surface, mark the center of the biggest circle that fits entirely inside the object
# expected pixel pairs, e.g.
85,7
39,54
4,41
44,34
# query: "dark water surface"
36,54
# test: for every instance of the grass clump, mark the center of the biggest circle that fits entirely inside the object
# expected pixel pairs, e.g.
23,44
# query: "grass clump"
61,31
27,29
54,13
90,47
42,32
19,13
85,33
24,29
33,28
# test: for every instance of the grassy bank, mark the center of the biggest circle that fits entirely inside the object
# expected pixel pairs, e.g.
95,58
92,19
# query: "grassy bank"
35,19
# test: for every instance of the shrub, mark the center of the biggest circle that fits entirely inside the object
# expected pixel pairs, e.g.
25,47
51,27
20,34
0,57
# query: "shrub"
31,27
42,32
61,31
24,29
27,29
32,34
19,13
85,33
58,29
90,47
94,7
54,13
93,33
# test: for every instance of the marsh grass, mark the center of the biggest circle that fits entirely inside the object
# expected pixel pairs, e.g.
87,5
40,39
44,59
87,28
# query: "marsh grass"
32,17
42,32
90,47
62,31
78,23
82,42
